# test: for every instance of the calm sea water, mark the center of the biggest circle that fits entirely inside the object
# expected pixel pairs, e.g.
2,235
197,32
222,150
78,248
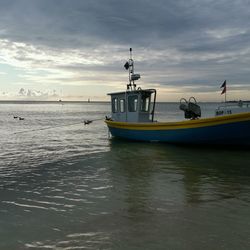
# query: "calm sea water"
73,187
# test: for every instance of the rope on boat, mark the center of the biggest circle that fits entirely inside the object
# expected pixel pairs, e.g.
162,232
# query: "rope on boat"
85,122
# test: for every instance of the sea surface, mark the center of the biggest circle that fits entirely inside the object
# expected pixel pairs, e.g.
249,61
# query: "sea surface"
66,185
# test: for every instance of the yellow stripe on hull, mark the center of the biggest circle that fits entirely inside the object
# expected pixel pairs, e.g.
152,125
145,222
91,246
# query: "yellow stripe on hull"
204,122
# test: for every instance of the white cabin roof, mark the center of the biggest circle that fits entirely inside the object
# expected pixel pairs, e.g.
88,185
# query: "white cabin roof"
133,91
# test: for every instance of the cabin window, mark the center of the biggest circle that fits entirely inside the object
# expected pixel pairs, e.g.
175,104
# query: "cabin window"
122,105
132,103
114,105
145,100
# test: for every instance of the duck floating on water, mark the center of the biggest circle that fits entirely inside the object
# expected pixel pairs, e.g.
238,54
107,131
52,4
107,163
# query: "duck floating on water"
132,118
18,117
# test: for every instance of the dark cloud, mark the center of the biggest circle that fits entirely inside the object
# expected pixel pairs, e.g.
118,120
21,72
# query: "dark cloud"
144,22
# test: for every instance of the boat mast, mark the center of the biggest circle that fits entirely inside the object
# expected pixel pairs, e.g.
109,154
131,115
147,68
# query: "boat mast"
129,65
131,71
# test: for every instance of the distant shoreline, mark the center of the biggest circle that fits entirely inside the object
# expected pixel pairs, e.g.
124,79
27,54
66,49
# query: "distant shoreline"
47,102
83,102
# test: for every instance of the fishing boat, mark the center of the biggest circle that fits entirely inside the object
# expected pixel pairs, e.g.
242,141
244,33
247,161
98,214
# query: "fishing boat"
133,112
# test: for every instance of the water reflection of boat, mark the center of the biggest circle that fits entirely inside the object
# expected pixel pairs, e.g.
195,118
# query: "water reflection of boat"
133,118
206,174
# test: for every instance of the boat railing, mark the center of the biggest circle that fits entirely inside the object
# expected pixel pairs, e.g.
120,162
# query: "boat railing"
239,104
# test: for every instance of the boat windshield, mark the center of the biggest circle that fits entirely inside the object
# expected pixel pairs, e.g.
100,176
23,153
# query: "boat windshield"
145,101
132,103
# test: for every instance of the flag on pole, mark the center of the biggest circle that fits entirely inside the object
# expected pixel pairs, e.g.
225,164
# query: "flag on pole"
126,65
224,86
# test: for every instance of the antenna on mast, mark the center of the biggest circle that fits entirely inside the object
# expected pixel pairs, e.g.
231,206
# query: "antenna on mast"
129,65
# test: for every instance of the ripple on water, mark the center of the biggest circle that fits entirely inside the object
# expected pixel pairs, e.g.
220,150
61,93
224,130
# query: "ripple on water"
87,240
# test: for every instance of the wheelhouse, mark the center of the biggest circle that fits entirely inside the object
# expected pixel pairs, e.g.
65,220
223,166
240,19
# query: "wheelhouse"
133,106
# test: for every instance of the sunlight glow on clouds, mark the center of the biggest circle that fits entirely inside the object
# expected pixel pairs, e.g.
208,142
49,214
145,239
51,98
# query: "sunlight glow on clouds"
28,56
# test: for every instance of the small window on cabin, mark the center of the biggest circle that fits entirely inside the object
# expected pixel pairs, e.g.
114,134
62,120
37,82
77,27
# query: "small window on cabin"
145,100
132,103
114,105
122,105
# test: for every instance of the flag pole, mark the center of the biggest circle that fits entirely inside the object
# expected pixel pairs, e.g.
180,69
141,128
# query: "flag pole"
224,91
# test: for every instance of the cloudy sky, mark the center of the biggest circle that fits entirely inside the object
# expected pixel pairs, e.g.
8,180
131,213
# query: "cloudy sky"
76,49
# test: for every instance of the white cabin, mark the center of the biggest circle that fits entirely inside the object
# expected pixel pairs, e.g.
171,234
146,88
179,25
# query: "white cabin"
133,105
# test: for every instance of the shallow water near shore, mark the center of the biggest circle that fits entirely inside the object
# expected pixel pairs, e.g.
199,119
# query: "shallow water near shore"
74,187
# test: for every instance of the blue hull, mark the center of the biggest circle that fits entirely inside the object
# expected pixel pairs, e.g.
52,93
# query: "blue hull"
236,133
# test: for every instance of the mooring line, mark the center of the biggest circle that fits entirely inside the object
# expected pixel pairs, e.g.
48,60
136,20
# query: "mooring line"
85,122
